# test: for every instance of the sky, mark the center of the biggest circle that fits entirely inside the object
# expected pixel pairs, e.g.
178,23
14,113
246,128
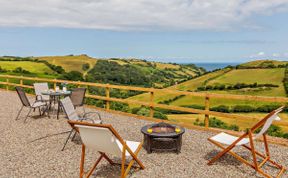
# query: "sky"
181,31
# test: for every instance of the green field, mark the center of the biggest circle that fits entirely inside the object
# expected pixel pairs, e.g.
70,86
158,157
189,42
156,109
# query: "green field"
243,124
250,76
225,76
261,76
188,85
32,67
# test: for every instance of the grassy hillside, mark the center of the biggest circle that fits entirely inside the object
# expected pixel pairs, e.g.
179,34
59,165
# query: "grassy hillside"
250,76
26,65
70,63
228,77
263,64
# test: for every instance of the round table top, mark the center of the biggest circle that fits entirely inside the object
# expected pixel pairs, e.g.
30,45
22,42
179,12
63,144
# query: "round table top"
56,93
171,134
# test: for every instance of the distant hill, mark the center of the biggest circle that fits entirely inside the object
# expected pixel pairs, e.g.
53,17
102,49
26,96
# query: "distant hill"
263,64
115,70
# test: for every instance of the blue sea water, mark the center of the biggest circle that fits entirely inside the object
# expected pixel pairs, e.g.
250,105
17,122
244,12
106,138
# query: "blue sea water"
213,66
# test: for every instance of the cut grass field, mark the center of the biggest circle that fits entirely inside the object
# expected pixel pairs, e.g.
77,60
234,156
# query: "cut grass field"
250,76
70,63
243,124
32,67
188,85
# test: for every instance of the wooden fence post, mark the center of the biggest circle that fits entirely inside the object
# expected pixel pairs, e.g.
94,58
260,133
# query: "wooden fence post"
54,83
207,106
7,86
151,104
78,85
21,80
107,97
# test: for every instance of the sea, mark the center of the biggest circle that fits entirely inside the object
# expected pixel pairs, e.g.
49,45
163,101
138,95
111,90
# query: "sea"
213,66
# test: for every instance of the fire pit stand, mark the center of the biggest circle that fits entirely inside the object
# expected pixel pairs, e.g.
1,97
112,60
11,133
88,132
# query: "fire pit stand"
162,137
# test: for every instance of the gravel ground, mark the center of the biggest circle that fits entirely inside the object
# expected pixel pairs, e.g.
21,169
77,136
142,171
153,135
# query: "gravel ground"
24,153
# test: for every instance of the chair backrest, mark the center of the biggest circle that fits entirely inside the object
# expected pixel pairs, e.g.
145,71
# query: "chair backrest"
100,139
77,96
41,87
269,119
22,95
69,109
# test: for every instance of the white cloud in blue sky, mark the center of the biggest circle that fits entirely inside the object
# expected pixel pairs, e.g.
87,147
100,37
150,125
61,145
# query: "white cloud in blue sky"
162,30
137,14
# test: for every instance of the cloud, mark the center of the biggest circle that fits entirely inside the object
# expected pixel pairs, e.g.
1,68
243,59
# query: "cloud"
263,55
228,41
135,14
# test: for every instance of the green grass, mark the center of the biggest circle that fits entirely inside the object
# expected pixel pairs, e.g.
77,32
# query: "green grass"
32,67
249,76
188,85
243,124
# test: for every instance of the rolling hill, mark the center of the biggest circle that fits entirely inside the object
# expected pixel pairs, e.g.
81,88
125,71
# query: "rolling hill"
115,70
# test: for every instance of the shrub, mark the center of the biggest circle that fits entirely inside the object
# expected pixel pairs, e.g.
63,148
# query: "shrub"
216,123
73,75
243,108
160,115
267,108
119,106
221,108
85,66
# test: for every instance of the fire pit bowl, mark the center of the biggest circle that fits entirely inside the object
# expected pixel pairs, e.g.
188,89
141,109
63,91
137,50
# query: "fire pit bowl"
162,137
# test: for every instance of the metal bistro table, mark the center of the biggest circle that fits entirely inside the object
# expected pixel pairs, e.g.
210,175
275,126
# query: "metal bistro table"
55,96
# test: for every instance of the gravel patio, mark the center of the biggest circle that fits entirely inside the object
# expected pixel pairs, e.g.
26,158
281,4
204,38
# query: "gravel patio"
33,149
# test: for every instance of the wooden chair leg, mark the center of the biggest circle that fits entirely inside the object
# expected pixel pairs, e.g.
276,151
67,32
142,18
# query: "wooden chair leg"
239,158
107,158
253,151
123,161
222,153
82,161
94,166
133,160
266,145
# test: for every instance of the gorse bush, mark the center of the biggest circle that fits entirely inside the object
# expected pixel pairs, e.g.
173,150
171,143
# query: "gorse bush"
216,123
236,86
274,131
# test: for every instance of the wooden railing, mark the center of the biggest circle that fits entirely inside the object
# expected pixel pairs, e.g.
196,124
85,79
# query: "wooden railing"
152,104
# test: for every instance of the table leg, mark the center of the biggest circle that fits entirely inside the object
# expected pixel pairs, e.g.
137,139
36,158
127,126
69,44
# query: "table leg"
58,110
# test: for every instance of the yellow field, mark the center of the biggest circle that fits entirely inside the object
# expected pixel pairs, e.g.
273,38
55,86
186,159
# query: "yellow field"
32,67
243,124
168,66
70,63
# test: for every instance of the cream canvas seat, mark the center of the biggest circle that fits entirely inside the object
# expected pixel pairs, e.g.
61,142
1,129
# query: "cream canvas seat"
248,139
39,88
105,140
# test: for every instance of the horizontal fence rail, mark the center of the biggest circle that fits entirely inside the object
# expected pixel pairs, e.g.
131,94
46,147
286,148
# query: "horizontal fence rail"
151,103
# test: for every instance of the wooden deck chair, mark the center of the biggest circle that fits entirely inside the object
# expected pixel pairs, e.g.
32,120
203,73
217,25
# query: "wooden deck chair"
248,139
104,139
